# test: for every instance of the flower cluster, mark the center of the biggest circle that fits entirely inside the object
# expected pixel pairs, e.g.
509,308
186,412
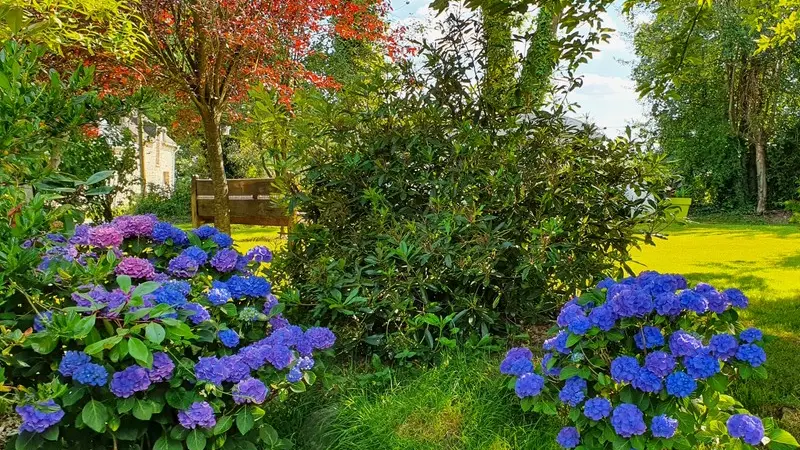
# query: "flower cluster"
188,329
626,350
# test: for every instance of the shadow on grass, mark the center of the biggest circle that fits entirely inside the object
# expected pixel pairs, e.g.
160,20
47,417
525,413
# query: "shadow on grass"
723,280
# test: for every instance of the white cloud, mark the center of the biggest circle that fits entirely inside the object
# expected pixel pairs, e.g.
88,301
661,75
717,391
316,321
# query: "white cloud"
609,101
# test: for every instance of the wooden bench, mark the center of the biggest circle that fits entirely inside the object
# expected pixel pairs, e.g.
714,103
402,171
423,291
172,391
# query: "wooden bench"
252,202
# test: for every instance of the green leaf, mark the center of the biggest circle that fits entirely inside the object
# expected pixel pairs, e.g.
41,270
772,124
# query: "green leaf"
99,176
783,437
140,352
143,410
245,420
124,282
179,398
569,372
28,441
573,339
223,425
718,382
74,394
51,434
155,333
126,404
196,440
165,443
98,346
95,416
145,288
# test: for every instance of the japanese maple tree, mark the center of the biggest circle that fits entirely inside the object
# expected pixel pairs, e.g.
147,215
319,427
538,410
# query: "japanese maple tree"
213,51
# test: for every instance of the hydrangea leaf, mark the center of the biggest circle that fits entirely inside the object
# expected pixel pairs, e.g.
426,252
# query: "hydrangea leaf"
783,437
155,333
95,416
245,420
143,410
165,443
224,424
196,440
140,352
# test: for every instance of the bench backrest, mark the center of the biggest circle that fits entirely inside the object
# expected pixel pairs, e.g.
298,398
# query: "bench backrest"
251,202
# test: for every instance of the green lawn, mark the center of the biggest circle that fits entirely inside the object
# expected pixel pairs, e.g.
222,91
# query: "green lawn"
763,261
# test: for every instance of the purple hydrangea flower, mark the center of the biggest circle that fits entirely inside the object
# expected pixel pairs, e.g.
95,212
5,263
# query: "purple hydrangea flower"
182,266
568,437
751,354
135,226
199,414
305,363
568,313
736,298
624,369
199,313
91,374
39,417
529,385
271,302
648,337
278,321
81,235
238,369
748,428
222,240
197,254
105,236
597,408
693,301
723,346
205,231
751,335
573,392
320,338
41,320
129,381
133,267
668,304
603,317
294,375
647,381
278,355
225,260
259,254
663,426
553,371
211,370
632,302
682,343
71,361
229,338
659,363
680,384
162,368
628,420
517,362
701,366
251,390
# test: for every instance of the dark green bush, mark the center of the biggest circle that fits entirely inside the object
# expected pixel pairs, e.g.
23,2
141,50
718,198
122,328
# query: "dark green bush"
427,221
173,205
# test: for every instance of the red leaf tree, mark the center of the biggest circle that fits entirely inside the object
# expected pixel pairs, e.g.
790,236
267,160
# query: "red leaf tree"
212,51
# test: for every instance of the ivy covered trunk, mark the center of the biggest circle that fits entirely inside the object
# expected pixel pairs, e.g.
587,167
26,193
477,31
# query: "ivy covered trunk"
211,124
761,172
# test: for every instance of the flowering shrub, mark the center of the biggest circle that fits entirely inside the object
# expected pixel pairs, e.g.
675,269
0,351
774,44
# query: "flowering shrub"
646,363
159,337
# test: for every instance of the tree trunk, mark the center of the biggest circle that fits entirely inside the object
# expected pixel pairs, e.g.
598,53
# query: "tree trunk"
142,166
540,61
761,172
499,79
211,125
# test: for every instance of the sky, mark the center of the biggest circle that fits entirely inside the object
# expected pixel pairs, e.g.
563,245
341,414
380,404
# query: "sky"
607,97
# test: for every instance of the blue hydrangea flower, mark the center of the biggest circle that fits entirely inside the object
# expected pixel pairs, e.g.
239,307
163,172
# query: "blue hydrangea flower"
259,254
716,301
668,304
663,426
529,385
628,420
253,286
751,354
517,362
279,356
162,368
225,260
197,254
597,408
91,374
129,381
682,343
205,231
238,369
169,295
568,437
41,320
251,390
199,414
606,283
647,381
222,240
271,302
305,363
573,392
624,369
71,361
558,343
164,231
751,335
182,266
748,428
199,313
680,384
294,375
320,338
567,313
553,371
603,317
693,301
736,298
39,417
659,363
211,370
648,337
218,297
229,338
701,366
723,346
632,302
580,325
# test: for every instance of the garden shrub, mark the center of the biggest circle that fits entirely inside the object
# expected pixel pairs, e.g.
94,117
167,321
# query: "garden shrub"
426,222
157,338
167,204
646,363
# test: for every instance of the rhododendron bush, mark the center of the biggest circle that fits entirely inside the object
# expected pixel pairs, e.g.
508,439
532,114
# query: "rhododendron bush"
645,363
157,338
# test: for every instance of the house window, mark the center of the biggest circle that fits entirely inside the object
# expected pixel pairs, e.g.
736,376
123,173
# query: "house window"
166,179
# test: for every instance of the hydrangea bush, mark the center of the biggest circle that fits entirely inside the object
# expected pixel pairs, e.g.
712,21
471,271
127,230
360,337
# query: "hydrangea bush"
160,339
645,363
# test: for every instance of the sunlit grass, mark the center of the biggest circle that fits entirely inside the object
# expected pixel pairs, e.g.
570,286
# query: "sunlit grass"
249,236
763,261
